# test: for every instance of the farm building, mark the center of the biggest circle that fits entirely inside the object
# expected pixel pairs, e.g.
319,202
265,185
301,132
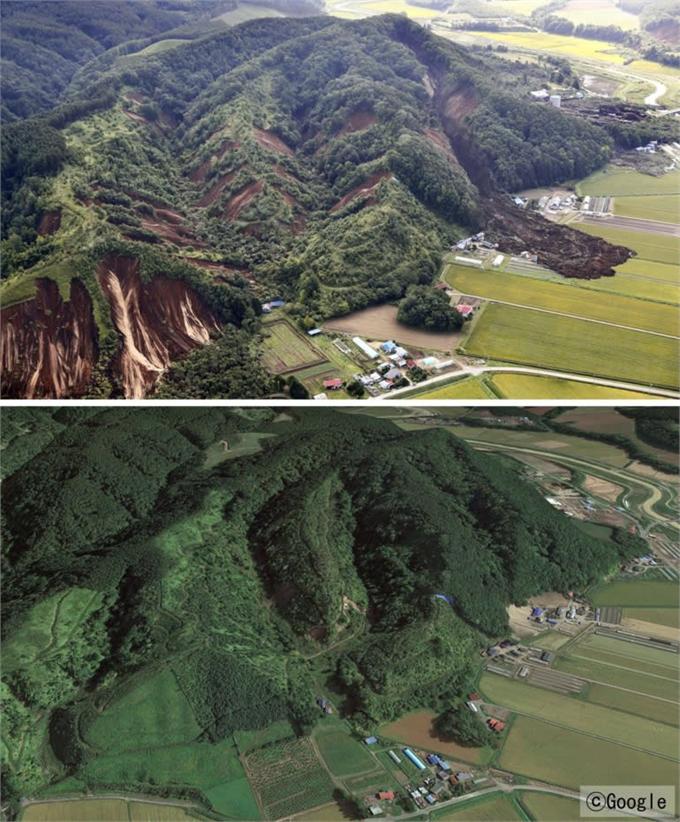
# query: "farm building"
321,396
465,310
332,385
540,94
555,100
371,740
314,332
472,707
268,306
498,260
417,761
389,346
473,261
463,776
363,346
441,286
394,757
537,612
393,374
388,796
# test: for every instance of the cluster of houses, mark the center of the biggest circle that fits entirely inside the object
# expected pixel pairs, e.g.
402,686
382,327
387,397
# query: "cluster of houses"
436,783
474,243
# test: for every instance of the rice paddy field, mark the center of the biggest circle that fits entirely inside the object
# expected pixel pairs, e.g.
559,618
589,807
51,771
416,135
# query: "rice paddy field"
565,297
105,810
472,388
539,750
526,386
494,808
618,181
638,593
660,248
567,712
520,335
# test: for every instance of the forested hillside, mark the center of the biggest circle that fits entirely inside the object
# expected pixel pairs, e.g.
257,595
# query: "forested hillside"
326,162
160,554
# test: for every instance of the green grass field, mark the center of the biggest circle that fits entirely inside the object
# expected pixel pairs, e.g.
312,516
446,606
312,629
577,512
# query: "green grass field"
565,298
638,593
648,707
550,640
580,716
343,754
19,288
629,655
472,388
610,674
521,335
650,270
286,349
659,616
620,182
662,207
213,769
526,386
494,808
562,757
546,808
154,713
599,13
661,248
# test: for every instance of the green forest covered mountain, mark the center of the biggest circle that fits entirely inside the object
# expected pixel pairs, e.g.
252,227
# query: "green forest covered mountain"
324,161
226,588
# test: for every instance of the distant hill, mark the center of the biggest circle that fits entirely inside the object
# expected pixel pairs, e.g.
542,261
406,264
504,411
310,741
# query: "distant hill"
347,552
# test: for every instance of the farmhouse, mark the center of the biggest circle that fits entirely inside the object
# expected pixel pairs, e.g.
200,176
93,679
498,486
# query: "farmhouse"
386,795
389,346
465,310
332,385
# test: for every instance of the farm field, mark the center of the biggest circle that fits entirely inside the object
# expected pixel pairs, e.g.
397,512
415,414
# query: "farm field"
526,386
343,754
366,8
504,333
662,207
564,298
380,323
104,810
580,716
599,13
551,640
583,760
608,673
638,593
416,729
636,704
547,808
285,349
468,388
661,248
620,182
288,778
152,713
213,769
649,270
660,616
563,444
629,655
493,808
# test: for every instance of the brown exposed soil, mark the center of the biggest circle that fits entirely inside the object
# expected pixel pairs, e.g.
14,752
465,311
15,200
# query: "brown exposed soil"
270,140
158,322
441,141
666,30
362,190
213,193
280,171
559,247
169,230
49,222
242,199
358,121
48,346
461,103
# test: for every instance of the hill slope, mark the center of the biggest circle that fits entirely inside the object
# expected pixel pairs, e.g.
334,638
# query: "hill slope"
326,161
246,581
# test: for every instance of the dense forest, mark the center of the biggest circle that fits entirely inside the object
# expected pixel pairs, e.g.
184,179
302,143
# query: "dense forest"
325,161
343,527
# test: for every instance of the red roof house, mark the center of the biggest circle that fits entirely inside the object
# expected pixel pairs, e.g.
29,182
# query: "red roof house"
387,795
333,385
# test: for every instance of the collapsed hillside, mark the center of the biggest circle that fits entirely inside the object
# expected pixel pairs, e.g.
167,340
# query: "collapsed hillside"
329,162
236,579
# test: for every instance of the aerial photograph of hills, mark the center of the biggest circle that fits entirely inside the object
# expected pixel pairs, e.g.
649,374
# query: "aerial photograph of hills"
418,199
312,613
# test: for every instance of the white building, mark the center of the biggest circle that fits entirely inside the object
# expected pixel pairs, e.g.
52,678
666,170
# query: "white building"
371,353
468,261
555,100
498,260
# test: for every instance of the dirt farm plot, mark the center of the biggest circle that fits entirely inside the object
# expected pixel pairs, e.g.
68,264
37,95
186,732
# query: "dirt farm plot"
380,323
417,729
288,778
602,488
285,349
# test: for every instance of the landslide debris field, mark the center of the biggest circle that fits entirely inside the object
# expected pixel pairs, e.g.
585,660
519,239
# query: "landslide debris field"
326,162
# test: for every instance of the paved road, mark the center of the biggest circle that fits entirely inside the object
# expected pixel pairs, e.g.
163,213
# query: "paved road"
659,91
633,224
476,371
